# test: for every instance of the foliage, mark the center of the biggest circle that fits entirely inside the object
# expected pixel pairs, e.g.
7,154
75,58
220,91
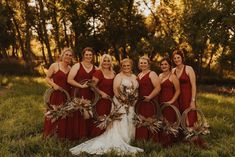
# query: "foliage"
121,29
6,33
14,66
21,120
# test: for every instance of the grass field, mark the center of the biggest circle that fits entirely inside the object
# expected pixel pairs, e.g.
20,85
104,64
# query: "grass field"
21,123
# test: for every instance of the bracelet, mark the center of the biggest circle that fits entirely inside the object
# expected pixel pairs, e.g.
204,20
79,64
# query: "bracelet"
193,100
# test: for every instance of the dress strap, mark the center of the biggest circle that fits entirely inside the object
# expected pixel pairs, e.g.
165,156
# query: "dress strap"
58,66
169,76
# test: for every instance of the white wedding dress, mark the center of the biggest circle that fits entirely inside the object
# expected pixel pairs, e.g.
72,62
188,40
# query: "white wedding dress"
117,135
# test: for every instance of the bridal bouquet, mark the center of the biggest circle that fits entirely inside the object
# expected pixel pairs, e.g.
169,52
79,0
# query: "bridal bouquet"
128,96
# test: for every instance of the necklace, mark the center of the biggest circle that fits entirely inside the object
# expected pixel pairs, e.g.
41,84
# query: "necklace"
143,73
87,65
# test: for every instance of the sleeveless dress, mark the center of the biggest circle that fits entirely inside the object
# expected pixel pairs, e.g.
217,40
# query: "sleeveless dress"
117,135
185,97
145,109
184,102
57,98
103,106
166,94
78,127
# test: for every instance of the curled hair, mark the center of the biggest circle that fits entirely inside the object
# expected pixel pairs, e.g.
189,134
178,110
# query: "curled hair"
87,49
178,52
167,59
127,60
66,49
102,60
145,58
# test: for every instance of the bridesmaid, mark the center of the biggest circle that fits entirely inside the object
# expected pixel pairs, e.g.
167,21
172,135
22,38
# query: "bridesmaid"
57,78
149,87
187,97
78,126
170,90
103,79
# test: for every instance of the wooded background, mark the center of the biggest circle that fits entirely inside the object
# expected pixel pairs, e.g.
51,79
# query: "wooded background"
34,32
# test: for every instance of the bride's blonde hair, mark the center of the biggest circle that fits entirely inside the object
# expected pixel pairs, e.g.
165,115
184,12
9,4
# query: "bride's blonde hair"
126,60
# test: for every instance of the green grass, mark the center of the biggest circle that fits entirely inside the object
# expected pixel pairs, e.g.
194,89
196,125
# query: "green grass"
21,123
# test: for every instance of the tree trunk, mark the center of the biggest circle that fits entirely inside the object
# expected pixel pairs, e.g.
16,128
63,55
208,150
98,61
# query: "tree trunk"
43,53
65,34
4,54
116,52
18,33
56,26
42,17
208,67
27,36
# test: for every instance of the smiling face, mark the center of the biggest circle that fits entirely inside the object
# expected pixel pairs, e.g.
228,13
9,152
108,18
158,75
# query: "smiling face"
143,64
67,56
177,59
165,66
106,64
88,56
126,66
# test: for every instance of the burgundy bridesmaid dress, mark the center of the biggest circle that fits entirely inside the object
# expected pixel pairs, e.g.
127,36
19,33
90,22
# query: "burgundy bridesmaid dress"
184,103
57,98
78,127
185,97
146,109
166,94
103,106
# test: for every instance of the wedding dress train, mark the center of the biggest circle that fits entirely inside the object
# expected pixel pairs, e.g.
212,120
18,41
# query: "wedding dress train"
117,135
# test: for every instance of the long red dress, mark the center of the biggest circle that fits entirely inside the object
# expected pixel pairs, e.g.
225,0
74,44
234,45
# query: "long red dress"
185,97
103,106
57,98
166,94
145,109
184,102
78,127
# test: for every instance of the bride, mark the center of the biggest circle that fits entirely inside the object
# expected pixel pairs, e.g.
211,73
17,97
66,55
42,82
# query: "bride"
120,132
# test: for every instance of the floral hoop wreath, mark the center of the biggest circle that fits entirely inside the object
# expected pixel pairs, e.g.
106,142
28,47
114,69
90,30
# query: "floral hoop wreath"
169,127
153,123
47,96
54,112
200,127
86,109
96,117
105,120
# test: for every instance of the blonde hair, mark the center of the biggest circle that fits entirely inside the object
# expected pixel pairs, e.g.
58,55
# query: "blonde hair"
66,49
126,60
102,60
145,58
